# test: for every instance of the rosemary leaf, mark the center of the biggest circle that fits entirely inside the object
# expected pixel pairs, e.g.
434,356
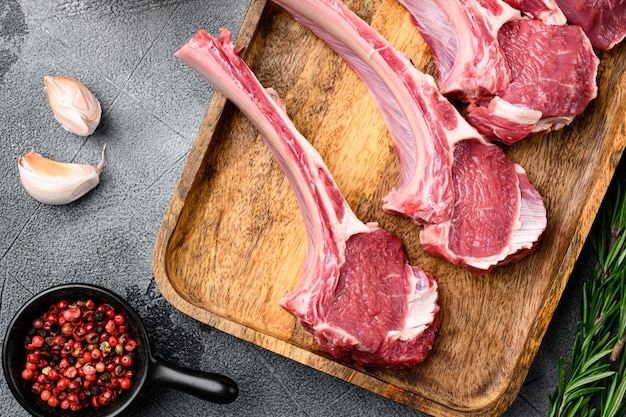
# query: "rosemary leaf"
583,385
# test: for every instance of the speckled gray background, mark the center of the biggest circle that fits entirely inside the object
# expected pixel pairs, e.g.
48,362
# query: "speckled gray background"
152,107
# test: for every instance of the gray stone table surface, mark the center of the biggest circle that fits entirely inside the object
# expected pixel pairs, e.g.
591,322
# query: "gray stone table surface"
152,108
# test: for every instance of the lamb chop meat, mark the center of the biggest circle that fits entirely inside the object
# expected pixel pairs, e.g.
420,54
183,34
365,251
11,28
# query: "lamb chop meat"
437,189
479,239
357,295
604,21
546,73
553,79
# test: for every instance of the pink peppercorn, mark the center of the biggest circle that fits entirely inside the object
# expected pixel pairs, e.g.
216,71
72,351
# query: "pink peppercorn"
45,395
78,347
27,374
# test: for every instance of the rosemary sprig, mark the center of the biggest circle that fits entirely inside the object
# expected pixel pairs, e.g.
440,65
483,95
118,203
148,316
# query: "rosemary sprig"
597,379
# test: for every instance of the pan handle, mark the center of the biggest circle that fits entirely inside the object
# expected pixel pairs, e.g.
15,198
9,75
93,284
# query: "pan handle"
208,386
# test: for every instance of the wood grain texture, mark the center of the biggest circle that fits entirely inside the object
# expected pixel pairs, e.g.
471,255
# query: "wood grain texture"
232,241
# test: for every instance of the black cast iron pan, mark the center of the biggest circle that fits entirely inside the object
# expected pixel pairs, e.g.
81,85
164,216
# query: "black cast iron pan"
149,370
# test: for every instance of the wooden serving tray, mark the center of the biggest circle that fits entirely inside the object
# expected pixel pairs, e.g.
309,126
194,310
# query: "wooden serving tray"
232,241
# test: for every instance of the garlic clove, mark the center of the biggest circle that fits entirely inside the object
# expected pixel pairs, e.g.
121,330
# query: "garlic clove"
53,182
73,105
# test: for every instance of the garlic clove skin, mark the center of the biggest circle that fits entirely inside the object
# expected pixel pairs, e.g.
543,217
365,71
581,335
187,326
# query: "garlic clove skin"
53,182
73,105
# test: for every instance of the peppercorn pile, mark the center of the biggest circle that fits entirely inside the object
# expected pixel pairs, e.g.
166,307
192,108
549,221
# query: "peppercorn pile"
79,354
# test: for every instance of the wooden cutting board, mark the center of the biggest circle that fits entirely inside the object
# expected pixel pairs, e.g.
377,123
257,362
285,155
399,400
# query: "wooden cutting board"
232,241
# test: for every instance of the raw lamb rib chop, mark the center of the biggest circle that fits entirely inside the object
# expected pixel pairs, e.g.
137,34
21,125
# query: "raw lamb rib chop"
357,296
519,76
553,80
604,21
477,207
